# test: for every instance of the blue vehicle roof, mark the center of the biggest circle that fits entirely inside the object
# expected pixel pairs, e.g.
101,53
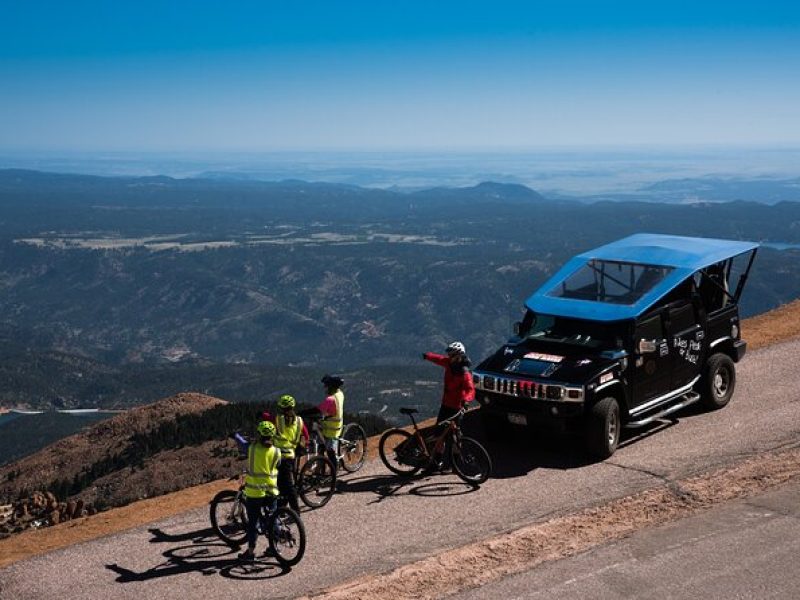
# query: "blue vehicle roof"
679,256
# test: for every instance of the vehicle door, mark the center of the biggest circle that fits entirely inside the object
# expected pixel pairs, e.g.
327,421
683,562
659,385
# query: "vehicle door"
687,344
651,368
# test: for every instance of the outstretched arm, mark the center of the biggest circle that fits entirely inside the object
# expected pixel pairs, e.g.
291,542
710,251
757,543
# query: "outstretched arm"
437,359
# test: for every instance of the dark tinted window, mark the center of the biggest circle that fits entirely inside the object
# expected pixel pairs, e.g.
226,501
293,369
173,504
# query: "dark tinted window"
650,329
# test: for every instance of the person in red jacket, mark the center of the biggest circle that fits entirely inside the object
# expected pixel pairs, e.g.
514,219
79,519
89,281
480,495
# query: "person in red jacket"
458,386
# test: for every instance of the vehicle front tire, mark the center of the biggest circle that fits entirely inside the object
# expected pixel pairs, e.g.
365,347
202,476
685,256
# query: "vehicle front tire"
718,381
603,425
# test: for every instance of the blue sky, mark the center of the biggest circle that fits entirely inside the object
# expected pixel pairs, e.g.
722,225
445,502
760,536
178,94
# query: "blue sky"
352,75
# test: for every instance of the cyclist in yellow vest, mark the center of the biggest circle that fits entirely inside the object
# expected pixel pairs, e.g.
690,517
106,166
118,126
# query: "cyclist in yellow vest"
332,409
260,482
289,437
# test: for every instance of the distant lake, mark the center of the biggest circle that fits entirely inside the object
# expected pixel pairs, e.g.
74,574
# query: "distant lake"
30,433
780,246
5,418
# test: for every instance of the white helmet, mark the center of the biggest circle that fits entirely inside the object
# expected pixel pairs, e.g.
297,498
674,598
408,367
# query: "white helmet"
456,348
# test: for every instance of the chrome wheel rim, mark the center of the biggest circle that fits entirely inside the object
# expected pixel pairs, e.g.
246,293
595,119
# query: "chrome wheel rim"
721,382
613,429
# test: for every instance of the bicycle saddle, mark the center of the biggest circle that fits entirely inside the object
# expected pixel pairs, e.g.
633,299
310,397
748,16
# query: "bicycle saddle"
408,411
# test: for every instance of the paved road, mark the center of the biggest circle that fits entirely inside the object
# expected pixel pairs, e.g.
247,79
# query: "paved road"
744,549
381,522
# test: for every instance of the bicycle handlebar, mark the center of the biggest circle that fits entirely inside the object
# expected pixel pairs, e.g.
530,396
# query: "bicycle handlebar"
461,412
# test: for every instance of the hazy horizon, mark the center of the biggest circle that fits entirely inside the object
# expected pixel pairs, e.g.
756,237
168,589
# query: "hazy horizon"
559,171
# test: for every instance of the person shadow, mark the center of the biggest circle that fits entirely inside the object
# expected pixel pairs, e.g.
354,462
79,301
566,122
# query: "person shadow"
205,554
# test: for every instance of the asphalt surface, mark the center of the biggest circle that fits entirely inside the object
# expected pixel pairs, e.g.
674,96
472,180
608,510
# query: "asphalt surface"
379,522
743,549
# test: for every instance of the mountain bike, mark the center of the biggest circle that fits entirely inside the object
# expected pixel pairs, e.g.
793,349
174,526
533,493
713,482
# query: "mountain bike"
315,480
407,453
314,475
282,527
352,442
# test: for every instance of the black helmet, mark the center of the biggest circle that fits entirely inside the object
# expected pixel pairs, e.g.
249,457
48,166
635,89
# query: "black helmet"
332,380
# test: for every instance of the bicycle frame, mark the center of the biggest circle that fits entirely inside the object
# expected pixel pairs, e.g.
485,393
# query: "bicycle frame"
450,430
316,443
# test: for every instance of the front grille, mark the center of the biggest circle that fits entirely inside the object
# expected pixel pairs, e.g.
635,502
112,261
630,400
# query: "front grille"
522,388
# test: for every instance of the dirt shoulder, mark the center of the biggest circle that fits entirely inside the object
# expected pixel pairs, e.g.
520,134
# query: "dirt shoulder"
482,562
781,324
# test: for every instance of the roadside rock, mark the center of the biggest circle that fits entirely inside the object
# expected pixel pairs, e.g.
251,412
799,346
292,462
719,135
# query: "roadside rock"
40,510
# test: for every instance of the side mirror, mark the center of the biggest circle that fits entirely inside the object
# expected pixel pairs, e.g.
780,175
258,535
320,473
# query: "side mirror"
517,328
646,346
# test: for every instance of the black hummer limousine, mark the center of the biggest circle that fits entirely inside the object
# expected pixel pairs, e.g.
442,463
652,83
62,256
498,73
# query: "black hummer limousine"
621,336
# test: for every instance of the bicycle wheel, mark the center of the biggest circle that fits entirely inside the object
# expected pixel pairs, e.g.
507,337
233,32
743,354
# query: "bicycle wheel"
470,460
229,517
401,453
287,536
316,481
353,447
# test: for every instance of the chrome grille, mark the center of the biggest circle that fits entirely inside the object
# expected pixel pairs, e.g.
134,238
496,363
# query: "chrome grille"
518,388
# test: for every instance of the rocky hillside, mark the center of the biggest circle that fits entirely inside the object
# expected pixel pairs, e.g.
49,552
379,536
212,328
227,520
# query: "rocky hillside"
74,456
178,442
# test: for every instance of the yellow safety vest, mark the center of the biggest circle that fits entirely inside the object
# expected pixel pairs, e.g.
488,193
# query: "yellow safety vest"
288,437
332,425
262,471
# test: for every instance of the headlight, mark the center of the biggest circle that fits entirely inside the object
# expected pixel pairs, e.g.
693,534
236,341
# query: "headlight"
575,393
554,392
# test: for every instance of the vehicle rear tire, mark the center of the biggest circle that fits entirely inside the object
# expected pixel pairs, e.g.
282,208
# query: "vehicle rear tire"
287,536
354,447
718,381
316,481
603,426
400,452
229,517
470,460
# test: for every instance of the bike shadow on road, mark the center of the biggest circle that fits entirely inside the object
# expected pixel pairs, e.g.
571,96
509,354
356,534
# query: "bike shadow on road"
205,554
199,536
385,487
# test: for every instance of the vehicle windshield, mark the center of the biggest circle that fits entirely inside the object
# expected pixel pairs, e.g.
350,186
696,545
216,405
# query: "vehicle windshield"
610,281
587,334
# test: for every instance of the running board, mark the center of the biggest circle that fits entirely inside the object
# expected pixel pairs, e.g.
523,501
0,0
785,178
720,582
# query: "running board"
688,399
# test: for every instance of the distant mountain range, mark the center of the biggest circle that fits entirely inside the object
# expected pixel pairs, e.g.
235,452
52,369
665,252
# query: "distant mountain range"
116,288
706,189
